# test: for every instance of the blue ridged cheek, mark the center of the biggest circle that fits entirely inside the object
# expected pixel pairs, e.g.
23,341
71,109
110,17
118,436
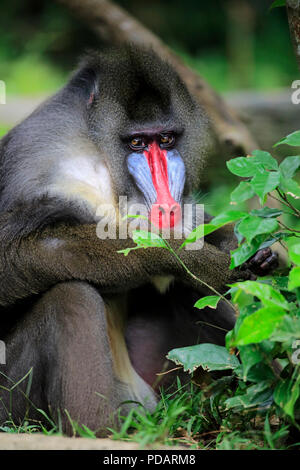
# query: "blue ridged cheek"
176,174
138,168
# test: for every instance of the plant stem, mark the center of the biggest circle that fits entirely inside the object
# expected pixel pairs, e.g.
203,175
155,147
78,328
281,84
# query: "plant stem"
283,246
195,277
283,196
287,228
281,202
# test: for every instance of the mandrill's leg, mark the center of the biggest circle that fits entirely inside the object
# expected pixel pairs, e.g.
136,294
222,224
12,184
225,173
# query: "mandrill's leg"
65,340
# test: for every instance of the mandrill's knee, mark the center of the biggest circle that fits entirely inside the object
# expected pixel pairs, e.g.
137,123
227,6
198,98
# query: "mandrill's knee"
69,299
69,312
74,316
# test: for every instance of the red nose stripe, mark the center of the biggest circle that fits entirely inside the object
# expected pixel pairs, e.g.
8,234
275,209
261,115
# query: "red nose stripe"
166,212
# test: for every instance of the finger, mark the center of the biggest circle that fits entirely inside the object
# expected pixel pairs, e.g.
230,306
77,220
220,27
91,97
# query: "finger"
270,262
260,256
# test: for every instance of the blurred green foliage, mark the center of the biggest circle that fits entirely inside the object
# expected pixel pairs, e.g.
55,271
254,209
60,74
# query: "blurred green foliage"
232,43
32,75
4,129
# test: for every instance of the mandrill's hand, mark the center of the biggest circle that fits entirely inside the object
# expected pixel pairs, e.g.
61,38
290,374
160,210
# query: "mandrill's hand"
262,263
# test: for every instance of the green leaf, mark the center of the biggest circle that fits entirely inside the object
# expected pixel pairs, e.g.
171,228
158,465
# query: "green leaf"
241,255
280,282
286,395
126,251
208,356
275,238
242,166
266,212
289,166
146,239
292,139
216,223
251,165
265,159
287,330
196,233
265,182
259,326
294,253
258,394
227,217
290,186
237,233
260,371
250,355
254,366
208,301
266,293
199,232
243,192
245,251
294,278
277,3
252,226
245,311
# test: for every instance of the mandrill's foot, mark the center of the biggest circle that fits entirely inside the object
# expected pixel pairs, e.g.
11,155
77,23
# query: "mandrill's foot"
263,262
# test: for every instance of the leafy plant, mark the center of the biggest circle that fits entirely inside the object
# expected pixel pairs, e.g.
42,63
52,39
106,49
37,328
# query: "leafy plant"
263,349
267,332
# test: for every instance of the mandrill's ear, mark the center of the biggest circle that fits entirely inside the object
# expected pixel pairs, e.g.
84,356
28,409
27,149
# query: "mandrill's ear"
85,83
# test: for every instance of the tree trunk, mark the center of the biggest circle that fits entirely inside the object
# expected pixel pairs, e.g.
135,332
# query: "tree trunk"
293,11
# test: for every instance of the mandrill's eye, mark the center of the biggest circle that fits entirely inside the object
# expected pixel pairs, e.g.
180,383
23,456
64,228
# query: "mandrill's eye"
137,143
166,140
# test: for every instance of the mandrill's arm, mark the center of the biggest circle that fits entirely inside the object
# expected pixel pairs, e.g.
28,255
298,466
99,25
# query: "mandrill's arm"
32,263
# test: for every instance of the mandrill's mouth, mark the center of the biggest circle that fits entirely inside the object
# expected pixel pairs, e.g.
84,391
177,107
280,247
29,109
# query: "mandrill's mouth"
160,176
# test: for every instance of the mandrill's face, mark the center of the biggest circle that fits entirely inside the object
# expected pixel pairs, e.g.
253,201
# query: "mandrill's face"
151,135
159,173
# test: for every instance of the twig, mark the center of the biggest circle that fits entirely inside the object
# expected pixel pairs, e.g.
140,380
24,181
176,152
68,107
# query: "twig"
168,371
287,228
283,196
281,202
197,278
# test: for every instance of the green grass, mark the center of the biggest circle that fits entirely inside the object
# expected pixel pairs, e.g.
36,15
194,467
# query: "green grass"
194,417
